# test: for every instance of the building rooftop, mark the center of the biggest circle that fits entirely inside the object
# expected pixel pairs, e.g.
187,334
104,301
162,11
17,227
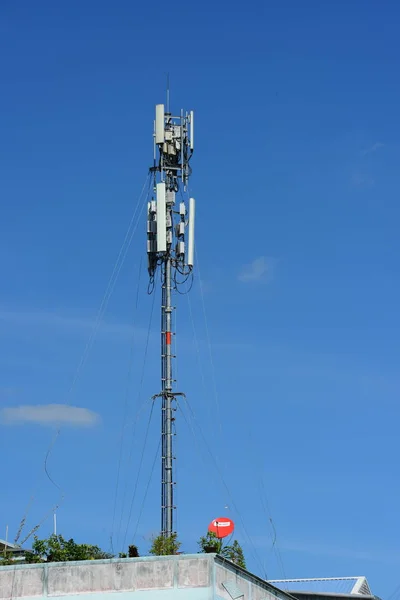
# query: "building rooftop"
347,586
13,548
183,577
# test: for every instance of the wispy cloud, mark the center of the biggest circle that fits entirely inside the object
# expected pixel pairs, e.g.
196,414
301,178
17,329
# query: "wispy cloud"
361,179
260,269
69,324
318,549
376,555
6,392
372,148
48,325
315,548
49,414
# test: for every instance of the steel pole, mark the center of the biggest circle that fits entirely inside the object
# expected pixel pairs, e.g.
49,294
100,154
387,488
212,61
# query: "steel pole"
167,398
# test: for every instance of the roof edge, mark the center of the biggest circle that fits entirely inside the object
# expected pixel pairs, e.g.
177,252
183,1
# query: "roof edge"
264,582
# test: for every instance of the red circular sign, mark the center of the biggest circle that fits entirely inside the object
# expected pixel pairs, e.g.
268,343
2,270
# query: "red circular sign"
222,527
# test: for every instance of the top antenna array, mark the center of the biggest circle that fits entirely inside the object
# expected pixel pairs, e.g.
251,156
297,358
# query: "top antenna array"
173,136
173,149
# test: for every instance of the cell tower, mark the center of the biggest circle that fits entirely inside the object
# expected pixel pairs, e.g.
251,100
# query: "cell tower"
170,247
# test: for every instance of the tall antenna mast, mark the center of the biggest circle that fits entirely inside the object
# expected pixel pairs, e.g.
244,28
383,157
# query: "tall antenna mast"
170,248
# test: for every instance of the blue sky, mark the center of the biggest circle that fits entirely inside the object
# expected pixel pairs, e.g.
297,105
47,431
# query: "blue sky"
293,375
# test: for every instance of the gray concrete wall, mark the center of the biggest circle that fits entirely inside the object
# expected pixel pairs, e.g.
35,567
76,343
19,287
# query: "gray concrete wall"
185,577
233,583
174,574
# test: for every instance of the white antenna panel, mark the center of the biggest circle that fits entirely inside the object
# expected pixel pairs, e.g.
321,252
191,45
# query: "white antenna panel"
190,252
160,123
191,130
161,219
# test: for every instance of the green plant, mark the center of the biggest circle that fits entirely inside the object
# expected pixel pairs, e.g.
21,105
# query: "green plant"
58,549
164,546
133,552
6,558
234,553
209,543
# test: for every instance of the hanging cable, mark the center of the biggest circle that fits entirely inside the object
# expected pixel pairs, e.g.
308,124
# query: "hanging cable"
218,470
125,409
275,547
132,227
210,351
103,306
396,594
178,284
139,394
147,489
34,530
197,346
134,423
138,474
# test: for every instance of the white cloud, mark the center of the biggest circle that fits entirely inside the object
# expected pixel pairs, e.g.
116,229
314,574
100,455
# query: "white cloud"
373,148
260,269
49,414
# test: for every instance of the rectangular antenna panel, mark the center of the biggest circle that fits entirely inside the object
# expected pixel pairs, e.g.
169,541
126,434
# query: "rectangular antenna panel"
190,253
170,197
191,130
151,246
161,219
151,226
159,123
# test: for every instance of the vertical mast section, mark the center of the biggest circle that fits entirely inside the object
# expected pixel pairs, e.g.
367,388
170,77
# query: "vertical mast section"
170,250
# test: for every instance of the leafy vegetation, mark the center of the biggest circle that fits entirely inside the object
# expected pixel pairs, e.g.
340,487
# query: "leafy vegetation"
233,552
164,546
210,543
57,549
133,552
6,558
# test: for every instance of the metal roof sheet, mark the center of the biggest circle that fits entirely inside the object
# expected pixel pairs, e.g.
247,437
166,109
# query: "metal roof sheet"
329,585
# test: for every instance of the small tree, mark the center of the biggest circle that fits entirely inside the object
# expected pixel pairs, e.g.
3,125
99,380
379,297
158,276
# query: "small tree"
164,546
234,553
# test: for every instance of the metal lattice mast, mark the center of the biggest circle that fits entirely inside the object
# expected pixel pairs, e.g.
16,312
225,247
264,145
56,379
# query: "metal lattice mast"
172,251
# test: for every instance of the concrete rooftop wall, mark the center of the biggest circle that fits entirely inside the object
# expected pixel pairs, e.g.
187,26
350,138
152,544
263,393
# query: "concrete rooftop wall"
233,583
189,577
